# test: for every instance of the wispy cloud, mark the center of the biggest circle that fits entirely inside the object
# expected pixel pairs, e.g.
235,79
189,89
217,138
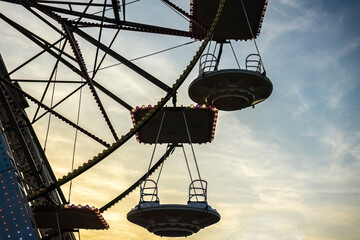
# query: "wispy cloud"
286,170
341,145
304,106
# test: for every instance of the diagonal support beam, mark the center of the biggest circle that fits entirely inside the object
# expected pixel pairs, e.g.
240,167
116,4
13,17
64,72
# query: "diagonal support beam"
28,96
115,7
48,48
81,62
123,7
121,59
169,151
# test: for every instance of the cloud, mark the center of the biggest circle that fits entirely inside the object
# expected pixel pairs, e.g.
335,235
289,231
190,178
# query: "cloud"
304,106
291,3
340,145
269,227
286,170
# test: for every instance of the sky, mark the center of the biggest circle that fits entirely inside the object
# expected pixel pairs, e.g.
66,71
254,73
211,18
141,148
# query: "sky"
287,169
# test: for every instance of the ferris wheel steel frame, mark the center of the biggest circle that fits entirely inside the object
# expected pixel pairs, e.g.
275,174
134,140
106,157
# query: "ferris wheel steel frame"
77,64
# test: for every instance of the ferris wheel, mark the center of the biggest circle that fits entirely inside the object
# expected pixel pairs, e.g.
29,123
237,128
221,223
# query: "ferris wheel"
70,57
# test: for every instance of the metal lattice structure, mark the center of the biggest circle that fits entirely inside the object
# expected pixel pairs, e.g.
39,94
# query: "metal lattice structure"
82,40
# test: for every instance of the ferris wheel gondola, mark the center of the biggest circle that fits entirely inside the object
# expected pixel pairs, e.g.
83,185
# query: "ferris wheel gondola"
231,89
179,125
173,220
